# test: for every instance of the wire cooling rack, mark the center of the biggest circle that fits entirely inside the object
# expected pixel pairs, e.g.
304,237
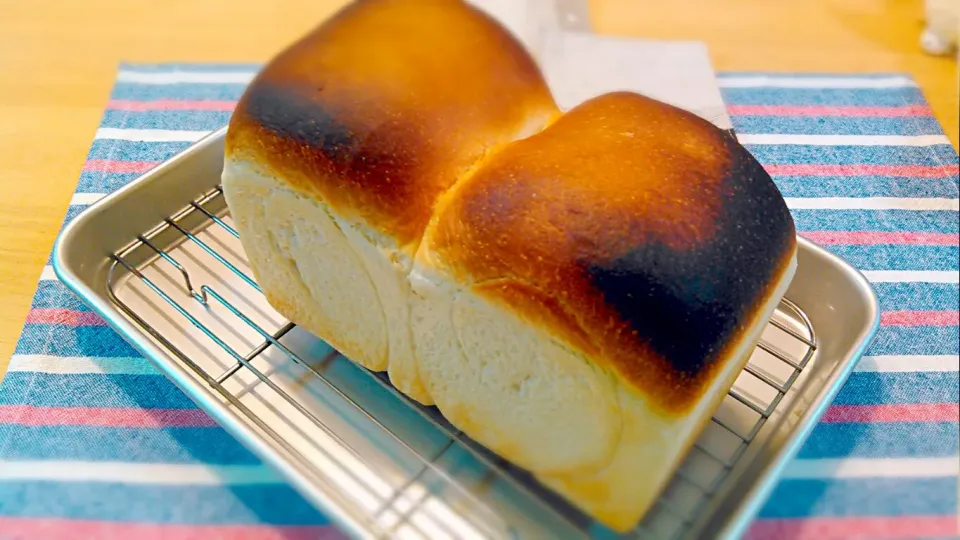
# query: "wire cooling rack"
393,466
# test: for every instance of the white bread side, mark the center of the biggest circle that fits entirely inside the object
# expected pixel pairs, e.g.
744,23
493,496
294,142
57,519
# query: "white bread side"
337,279
340,146
501,377
508,384
585,299
580,430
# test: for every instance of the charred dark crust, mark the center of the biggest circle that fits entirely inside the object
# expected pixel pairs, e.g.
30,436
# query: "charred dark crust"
385,158
366,169
289,115
689,305
376,112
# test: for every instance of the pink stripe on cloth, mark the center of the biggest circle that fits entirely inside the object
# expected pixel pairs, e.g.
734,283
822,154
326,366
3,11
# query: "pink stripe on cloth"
29,415
64,316
115,166
855,528
807,169
887,318
827,110
171,105
882,237
911,412
920,318
53,529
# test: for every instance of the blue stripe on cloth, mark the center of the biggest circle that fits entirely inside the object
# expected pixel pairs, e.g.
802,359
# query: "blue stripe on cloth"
184,91
879,440
918,296
186,445
123,151
865,97
911,340
938,221
54,294
862,497
870,388
112,149
92,390
105,501
866,186
834,125
797,154
175,120
59,340
899,257
104,182
72,212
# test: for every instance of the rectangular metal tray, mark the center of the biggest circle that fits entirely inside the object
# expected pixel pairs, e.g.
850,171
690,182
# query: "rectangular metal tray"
160,262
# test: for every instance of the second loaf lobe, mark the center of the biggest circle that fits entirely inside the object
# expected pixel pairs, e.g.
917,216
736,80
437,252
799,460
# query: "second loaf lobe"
653,235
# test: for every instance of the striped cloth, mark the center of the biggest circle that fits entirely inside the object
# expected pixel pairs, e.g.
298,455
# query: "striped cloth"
95,443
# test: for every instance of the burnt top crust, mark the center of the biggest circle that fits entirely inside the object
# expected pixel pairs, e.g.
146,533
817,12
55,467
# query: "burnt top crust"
383,107
640,234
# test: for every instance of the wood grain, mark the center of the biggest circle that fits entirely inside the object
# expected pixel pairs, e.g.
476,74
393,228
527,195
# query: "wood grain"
839,36
59,60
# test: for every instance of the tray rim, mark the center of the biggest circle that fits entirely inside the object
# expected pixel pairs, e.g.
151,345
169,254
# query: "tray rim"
733,526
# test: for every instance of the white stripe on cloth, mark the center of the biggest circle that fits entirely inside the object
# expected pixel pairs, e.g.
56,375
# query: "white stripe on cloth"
841,140
48,274
909,363
78,365
774,81
186,77
85,199
191,474
873,468
872,203
150,135
137,473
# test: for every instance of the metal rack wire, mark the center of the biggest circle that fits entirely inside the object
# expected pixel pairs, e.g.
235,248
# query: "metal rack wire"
408,507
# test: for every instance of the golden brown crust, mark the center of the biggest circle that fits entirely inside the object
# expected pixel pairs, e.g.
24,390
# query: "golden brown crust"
383,107
654,232
642,235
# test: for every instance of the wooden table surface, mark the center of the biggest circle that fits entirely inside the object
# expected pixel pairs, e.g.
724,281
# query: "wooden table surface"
58,61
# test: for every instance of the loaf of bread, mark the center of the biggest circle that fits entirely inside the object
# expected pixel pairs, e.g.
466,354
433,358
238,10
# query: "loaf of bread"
574,290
